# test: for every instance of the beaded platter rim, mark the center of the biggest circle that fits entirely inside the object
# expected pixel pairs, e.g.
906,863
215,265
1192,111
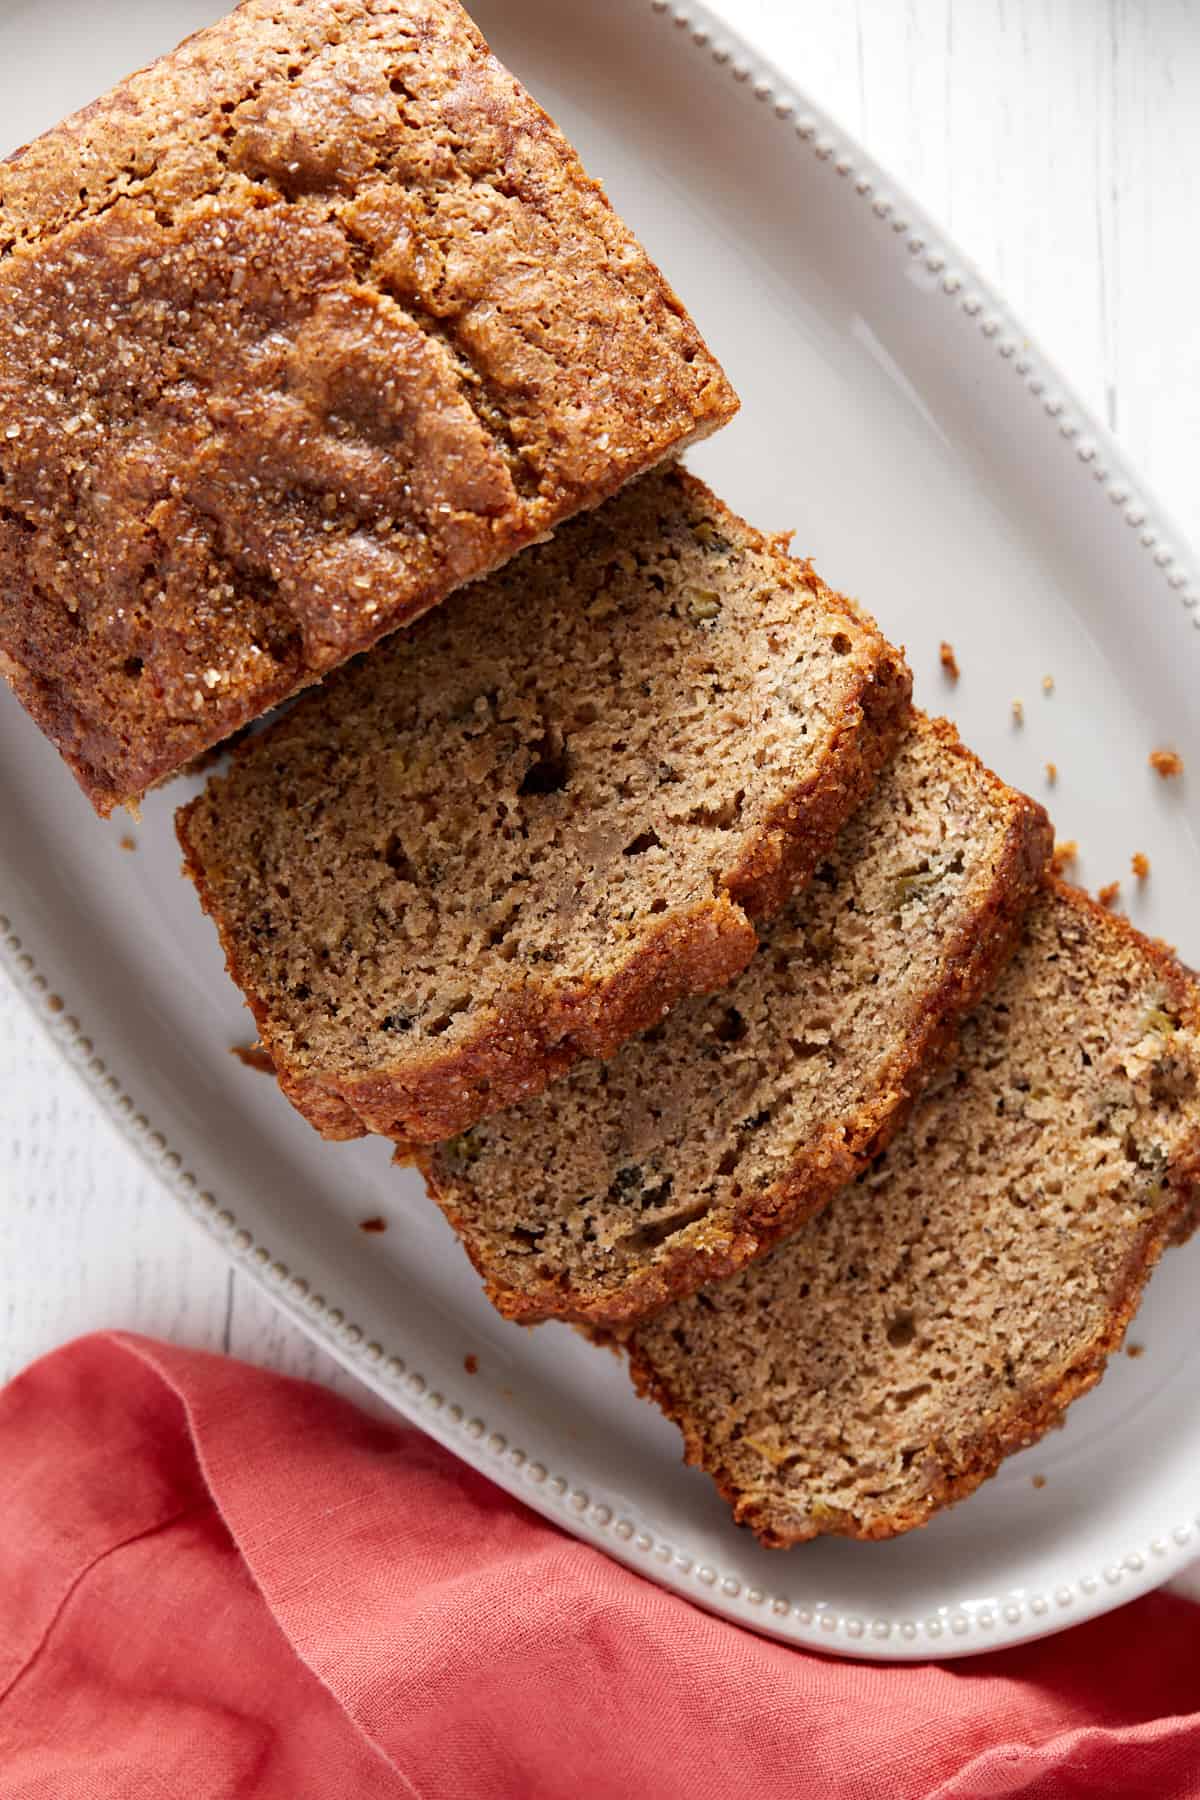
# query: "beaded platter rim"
598,1518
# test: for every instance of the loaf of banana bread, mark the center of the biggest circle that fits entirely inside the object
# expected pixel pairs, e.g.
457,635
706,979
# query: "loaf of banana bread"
301,327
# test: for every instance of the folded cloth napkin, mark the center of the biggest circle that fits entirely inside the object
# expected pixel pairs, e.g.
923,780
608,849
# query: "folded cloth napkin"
217,1582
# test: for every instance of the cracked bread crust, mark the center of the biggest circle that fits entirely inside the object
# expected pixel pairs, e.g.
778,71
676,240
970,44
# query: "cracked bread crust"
745,1200
587,835
301,328
779,1446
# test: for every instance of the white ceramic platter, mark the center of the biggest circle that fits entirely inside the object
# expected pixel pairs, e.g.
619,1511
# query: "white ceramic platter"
931,462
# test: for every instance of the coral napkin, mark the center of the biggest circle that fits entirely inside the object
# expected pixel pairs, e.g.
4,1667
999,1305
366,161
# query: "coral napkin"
216,1582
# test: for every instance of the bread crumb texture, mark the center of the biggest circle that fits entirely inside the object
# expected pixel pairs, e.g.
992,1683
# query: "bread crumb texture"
949,662
300,328
1066,851
944,1310
1109,894
717,1132
519,831
1166,763
1140,864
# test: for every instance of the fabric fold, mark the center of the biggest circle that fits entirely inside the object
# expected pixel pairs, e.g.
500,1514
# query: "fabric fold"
218,1581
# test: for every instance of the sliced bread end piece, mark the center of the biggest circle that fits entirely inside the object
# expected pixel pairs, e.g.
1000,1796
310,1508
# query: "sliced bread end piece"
517,833
632,1182
946,1309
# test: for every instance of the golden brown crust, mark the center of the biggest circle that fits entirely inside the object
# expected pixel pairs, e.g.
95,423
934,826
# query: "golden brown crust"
763,1217
306,387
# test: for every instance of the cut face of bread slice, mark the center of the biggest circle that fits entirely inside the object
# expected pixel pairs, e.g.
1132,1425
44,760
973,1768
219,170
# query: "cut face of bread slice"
302,327
635,1181
945,1310
517,833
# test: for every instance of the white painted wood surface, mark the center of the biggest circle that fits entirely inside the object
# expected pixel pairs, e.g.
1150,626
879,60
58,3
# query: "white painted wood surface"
1058,141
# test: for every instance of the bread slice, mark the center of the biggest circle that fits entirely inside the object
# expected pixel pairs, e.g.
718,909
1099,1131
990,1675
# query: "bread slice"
303,326
948,1307
698,1146
516,834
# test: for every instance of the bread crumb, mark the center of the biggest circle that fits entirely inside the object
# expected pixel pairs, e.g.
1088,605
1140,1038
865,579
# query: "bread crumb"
1135,1350
373,1225
1018,712
1052,773
1140,865
1166,763
1107,895
1064,855
128,843
949,661
1047,684
253,1056
471,1364
602,1338
1039,1481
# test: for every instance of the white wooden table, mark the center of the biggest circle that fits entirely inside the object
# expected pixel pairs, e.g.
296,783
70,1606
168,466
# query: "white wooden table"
1060,146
